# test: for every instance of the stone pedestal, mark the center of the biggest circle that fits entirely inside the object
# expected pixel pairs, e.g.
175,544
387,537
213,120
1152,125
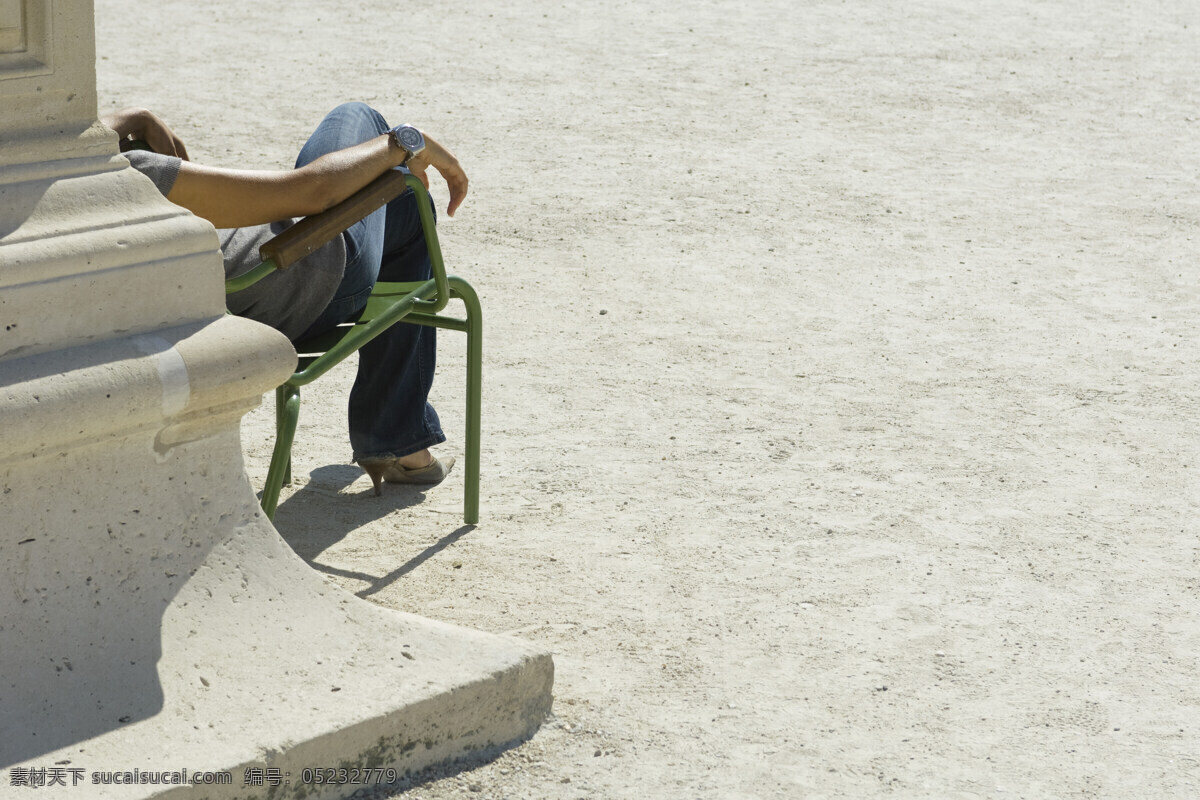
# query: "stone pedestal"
151,620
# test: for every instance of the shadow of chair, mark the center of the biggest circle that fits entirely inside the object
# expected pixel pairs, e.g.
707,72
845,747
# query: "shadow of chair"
322,513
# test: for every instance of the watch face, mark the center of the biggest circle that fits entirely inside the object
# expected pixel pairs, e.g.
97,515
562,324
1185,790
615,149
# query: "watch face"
410,139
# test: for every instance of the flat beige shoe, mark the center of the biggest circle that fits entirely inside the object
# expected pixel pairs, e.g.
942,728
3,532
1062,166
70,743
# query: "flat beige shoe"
390,470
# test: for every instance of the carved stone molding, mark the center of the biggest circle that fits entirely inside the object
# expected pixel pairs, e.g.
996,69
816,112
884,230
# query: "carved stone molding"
25,40
48,82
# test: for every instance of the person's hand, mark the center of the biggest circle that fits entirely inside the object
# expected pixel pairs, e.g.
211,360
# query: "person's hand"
441,159
138,123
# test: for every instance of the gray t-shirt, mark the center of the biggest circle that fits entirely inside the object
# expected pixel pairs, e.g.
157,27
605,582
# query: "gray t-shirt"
289,301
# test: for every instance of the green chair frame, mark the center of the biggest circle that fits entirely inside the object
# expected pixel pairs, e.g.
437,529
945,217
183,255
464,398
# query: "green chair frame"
414,303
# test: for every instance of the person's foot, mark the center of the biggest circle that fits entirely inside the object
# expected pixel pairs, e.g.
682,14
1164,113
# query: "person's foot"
393,470
417,460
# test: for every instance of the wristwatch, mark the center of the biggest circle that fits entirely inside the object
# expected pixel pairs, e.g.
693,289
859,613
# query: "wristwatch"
408,139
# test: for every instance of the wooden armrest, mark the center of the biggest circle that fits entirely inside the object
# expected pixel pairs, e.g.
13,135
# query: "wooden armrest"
314,231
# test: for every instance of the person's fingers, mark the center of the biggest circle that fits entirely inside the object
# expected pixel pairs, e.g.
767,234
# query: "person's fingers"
447,165
160,143
458,192
162,139
418,169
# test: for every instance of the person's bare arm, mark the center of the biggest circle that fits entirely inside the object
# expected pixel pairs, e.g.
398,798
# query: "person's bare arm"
231,198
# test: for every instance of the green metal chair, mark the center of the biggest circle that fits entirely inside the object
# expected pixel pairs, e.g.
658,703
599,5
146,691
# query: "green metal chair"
414,303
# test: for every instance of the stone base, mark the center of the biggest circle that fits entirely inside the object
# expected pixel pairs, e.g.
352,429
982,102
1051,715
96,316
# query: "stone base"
266,665
151,618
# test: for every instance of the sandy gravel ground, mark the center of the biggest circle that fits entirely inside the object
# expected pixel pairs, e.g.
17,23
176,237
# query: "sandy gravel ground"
841,375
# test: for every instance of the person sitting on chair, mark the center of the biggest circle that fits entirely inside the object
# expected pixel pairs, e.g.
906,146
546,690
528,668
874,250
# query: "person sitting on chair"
392,424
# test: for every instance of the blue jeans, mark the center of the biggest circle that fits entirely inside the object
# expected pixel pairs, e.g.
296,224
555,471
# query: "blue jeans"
390,414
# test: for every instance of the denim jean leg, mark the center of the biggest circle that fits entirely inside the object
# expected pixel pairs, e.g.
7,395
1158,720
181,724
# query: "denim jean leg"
389,411
345,126
364,248
389,414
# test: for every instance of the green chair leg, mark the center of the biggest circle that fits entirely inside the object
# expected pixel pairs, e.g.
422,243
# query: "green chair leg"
287,413
474,397
472,326
281,397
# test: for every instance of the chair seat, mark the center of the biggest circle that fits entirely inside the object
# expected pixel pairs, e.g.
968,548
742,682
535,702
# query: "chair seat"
383,298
